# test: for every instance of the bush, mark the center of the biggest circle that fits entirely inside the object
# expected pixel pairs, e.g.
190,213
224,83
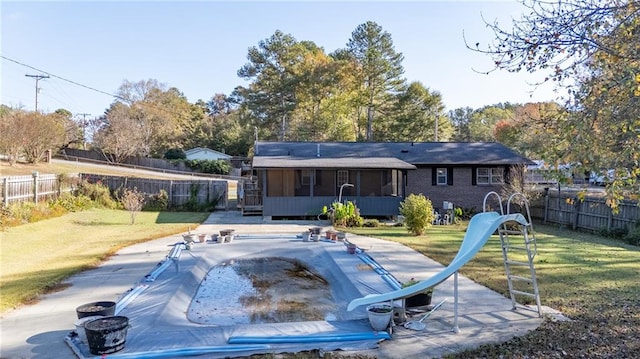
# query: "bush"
99,194
633,237
175,154
418,213
220,167
157,202
344,215
372,223
616,233
73,203
132,201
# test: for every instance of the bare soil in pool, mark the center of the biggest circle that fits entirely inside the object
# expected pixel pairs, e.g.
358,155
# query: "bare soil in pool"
264,290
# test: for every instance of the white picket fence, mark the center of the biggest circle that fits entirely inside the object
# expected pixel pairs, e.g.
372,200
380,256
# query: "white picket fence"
32,188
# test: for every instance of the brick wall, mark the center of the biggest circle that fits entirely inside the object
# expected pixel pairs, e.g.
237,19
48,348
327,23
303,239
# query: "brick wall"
462,193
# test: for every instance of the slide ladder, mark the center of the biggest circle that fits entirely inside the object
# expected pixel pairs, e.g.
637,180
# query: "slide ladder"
518,256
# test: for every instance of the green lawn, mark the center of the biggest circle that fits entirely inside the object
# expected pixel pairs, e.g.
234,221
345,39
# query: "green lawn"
594,281
37,257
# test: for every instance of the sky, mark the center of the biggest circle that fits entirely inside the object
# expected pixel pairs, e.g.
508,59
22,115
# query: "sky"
89,48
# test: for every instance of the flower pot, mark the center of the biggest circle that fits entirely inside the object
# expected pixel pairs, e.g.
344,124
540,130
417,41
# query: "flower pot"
315,230
189,237
106,335
96,308
226,232
341,236
418,300
379,315
306,236
202,237
351,248
79,324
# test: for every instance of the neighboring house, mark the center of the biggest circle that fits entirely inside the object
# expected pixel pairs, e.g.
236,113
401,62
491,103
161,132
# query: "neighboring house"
200,153
298,178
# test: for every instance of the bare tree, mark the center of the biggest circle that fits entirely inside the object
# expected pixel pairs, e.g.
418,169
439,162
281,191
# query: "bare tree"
133,201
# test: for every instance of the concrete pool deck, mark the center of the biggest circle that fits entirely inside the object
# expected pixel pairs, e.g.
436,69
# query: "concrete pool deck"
38,330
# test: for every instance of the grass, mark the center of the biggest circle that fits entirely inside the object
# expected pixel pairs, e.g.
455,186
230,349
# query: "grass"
37,257
592,280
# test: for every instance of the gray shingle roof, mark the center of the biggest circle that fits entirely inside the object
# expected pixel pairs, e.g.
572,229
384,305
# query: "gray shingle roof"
418,153
325,162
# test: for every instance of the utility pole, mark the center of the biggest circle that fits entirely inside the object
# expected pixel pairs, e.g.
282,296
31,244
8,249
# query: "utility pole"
84,129
38,78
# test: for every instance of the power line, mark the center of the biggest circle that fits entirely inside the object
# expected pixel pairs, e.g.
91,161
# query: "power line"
84,129
38,78
63,79
87,87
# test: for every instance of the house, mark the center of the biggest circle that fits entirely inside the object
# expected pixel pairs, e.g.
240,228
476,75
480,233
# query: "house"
299,178
200,153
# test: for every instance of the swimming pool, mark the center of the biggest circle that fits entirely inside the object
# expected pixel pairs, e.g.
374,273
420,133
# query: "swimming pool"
165,317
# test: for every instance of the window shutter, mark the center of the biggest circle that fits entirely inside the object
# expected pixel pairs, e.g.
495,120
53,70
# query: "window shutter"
450,176
434,176
474,176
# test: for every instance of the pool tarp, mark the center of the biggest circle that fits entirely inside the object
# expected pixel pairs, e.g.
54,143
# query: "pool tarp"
157,310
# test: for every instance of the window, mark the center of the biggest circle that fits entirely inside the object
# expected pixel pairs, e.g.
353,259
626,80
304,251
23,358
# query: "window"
497,175
305,177
490,176
343,177
441,176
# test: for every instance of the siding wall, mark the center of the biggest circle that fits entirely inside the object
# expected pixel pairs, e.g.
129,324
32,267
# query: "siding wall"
462,193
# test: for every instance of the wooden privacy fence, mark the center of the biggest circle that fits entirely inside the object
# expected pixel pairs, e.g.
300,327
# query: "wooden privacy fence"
592,213
34,188
180,192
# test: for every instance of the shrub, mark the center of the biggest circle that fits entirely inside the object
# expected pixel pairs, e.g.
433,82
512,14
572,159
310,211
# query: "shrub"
418,213
73,203
616,233
99,194
157,202
132,201
345,215
633,237
175,154
371,223
221,167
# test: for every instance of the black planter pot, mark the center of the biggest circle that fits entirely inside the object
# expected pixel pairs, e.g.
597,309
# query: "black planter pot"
104,309
418,300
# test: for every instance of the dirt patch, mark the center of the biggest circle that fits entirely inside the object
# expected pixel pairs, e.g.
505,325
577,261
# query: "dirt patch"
262,290
286,291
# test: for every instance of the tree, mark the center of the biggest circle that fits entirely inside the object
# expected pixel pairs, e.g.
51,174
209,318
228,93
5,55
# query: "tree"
590,48
73,132
29,134
561,36
460,118
419,115
44,132
161,119
483,121
13,133
132,201
379,68
270,99
120,136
